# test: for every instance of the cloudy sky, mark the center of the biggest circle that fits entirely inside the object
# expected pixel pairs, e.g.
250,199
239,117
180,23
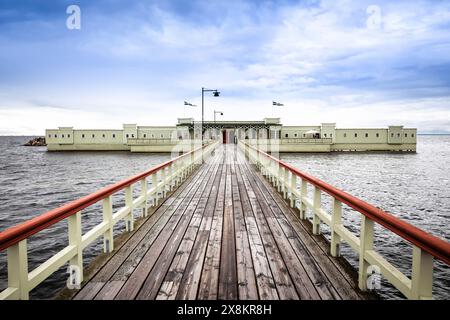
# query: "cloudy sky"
357,63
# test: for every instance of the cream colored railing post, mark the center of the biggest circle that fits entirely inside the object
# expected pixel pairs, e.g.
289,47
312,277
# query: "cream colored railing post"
108,239
293,188
316,204
76,263
155,188
366,244
336,220
164,182
303,194
422,275
285,182
170,176
129,220
144,195
18,270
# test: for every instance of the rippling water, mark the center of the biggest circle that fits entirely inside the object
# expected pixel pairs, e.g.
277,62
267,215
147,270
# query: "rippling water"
414,187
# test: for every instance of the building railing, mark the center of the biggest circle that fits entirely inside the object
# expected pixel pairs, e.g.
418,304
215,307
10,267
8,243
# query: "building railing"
163,178
426,247
290,141
165,141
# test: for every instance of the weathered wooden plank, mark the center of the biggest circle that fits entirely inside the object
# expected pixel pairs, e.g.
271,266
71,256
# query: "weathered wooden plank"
283,281
264,278
247,288
191,277
228,269
209,285
89,291
189,254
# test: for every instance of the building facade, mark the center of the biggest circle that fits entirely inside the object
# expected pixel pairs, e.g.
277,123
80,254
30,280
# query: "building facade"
268,134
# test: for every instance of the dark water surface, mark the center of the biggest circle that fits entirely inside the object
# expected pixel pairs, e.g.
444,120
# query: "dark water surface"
414,187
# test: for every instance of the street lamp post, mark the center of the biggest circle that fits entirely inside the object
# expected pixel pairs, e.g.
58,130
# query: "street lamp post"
216,93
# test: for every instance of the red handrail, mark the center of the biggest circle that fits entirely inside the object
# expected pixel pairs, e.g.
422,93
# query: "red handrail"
435,246
26,229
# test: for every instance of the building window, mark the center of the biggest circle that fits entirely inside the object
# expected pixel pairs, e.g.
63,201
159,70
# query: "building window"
412,135
406,135
377,135
325,135
82,136
104,136
153,135
331,135
132,135
345,135
295,135
392,135
162,136
127,135
398,135
367,135
145,136
68,136
49,135
356,135
62,136
286,135
93,135
304,135
114,135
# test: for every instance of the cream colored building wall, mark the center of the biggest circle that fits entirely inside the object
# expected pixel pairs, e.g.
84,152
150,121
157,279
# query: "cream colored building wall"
84,137
148,132
296,131
361,135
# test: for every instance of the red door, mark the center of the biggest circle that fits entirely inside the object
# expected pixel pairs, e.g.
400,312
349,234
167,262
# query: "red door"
224,136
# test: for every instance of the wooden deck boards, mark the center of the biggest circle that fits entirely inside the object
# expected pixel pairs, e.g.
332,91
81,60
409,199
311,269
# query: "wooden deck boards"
225,233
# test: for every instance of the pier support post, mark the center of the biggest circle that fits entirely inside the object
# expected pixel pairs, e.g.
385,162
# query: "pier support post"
422,275
155,188
303,194
293,188
144,194
285,182
366,243
129,220
336,219
76,263
317,203
108,239
170,176
18,270
164,182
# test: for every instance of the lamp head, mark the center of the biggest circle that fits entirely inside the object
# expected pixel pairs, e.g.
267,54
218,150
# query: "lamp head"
216,93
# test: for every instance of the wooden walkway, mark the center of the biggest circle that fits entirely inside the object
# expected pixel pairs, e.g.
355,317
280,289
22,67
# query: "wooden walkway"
225,233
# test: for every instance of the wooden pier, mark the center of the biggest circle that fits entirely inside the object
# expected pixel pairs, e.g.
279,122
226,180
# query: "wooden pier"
227,222
224,234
